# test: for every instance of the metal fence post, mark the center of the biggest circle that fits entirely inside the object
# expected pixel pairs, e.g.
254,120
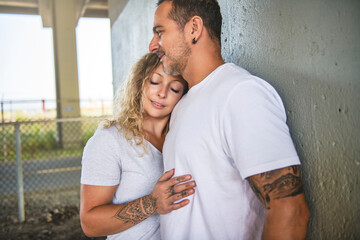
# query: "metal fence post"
19,174
3,131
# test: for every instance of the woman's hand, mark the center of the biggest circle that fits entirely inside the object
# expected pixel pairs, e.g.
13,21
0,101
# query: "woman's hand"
100,217
168,190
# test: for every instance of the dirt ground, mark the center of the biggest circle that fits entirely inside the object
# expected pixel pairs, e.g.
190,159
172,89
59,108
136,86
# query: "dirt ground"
57,224
48,215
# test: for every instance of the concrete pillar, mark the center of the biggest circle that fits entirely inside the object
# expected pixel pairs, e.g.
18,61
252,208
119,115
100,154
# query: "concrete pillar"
64,21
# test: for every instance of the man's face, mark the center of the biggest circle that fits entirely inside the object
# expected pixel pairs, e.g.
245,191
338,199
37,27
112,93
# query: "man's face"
169,42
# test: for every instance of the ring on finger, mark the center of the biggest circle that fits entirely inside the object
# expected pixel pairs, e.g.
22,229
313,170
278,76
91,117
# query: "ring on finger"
171,190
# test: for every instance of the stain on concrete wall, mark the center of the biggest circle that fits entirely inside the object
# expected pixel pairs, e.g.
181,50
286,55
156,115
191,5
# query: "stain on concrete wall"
310,52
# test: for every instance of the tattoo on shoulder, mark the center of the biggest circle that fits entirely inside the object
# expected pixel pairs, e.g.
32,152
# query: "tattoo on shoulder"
276,184
137,210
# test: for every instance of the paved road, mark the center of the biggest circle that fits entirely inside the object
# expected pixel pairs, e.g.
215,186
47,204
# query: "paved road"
41,174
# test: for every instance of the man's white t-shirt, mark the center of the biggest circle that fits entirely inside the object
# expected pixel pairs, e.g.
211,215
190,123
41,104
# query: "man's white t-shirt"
109,159
226,128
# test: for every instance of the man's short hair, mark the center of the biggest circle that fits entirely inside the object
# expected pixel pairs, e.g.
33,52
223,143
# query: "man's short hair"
208,10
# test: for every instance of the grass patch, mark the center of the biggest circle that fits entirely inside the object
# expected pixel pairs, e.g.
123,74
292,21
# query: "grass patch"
42,140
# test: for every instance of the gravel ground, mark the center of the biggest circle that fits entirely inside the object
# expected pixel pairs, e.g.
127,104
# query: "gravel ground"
49,215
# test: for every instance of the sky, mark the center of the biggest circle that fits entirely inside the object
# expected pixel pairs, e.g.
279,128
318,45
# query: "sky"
27,60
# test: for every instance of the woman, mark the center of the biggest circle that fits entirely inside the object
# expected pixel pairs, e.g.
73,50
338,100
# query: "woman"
121,192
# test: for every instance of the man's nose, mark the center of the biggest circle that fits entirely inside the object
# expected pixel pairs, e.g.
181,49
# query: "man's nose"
154,45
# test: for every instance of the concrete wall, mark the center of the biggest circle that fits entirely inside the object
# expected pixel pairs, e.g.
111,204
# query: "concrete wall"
310,52
131,33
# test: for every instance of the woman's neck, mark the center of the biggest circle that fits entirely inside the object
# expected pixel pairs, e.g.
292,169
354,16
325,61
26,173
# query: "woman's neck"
153,129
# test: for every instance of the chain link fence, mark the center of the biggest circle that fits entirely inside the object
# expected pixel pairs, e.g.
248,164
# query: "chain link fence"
40,163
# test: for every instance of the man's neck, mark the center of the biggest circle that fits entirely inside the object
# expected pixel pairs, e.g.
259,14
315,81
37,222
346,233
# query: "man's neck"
204,59
199,68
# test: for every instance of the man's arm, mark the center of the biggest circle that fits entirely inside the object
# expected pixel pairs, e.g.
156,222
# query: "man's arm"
287,213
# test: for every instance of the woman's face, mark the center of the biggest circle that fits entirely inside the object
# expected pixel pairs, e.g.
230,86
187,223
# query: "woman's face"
161,93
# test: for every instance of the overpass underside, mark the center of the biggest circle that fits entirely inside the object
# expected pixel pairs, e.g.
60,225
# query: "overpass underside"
62,16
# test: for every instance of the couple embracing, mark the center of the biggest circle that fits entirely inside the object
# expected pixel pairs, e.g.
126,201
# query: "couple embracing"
231,169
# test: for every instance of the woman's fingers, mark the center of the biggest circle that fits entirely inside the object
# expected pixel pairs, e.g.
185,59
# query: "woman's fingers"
174,185
167,175
176,180
175,201
170,191
180,204
184,186
178,196
181,195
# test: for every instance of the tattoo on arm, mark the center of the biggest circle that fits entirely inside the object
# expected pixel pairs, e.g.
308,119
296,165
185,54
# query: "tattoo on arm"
276,184
137,210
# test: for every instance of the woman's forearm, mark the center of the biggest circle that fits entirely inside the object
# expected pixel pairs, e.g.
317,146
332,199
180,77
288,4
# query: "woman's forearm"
137,210
99,217
110,219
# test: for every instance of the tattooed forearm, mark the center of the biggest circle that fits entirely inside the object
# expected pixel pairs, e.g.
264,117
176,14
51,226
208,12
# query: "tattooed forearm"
137,210
276,184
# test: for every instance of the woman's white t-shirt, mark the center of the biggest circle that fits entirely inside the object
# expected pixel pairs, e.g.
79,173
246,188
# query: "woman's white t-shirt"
109,159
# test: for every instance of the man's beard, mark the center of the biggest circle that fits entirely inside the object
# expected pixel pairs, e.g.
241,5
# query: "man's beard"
176,65
173,69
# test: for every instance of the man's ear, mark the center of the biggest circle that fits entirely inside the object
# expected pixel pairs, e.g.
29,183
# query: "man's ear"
196,27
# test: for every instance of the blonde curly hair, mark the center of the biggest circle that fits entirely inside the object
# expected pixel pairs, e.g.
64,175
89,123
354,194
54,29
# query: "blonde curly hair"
128,111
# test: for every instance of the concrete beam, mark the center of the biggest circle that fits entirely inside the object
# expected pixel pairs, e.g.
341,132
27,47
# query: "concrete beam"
18,10
80,8
28,7
97,9
20,3
45,11
116,7
84,8
92,13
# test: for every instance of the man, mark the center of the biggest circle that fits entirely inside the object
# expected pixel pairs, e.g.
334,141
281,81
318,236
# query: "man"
229,132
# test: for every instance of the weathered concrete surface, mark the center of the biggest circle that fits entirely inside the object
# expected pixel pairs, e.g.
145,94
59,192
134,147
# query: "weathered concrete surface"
131,33
310,52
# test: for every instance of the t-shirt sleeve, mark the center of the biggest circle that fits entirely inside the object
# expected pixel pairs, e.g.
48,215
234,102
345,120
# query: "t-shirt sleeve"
257,137
101,163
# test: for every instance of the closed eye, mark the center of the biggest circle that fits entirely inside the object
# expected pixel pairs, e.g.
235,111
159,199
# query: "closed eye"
153,83
174,90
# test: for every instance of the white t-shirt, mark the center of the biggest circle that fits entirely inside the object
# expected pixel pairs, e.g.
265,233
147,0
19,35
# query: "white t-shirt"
228,127
109,159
